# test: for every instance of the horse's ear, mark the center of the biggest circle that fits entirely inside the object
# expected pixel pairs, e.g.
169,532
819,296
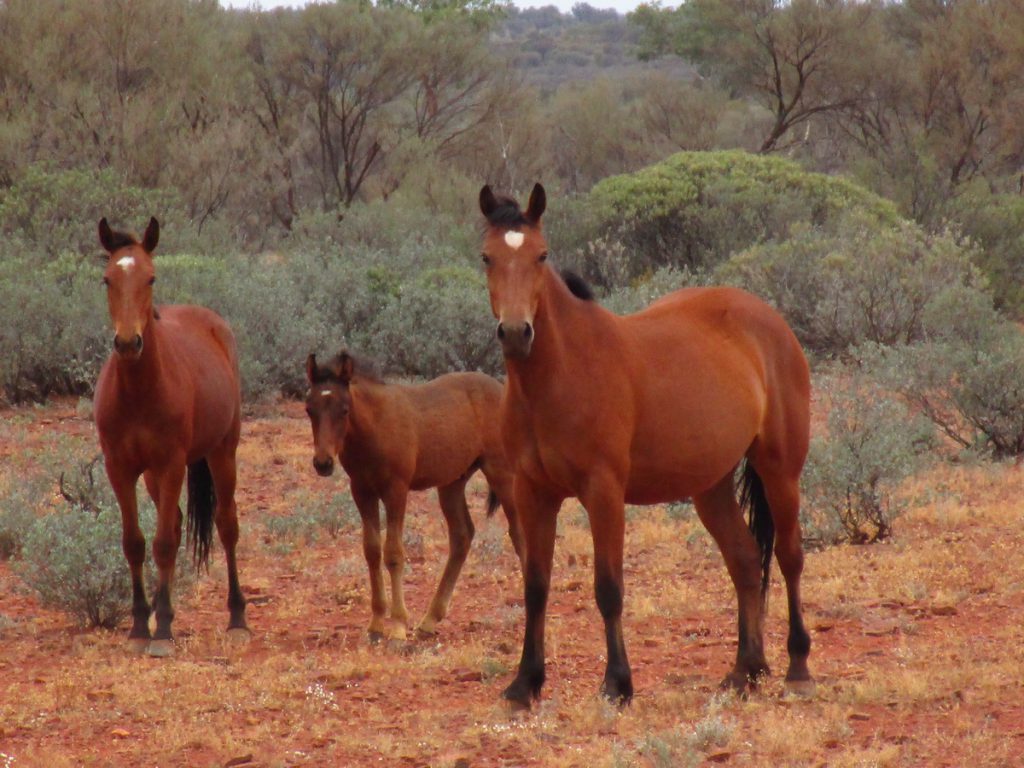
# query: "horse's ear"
488,202
106,235
152,236
346,367
311,369
538,202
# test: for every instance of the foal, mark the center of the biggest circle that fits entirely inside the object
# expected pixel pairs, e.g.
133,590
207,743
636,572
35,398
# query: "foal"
392,439
167,401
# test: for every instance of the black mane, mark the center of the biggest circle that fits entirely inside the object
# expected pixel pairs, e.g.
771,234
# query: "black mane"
507,214
120,240
577,285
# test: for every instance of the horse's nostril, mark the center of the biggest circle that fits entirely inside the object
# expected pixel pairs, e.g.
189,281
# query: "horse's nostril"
528,332
137,342
501,331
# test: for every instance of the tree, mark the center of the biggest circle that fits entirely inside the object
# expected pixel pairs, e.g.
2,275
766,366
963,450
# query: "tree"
790,56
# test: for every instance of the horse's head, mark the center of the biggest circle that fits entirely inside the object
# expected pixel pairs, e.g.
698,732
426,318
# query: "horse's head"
328,404
513,253
129,279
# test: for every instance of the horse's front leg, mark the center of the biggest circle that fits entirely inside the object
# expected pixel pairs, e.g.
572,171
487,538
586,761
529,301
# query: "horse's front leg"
394,557
134,545
604,500
165,552
538,515
369,511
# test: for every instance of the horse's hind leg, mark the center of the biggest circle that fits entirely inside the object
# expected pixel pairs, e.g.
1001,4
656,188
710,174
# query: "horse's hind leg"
720,513
784,501
460,537
134,545
223,468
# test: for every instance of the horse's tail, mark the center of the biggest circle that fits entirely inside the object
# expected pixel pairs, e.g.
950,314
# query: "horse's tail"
492,502
201,503
752,498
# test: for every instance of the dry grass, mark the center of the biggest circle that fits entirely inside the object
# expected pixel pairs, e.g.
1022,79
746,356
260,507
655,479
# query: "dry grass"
918,646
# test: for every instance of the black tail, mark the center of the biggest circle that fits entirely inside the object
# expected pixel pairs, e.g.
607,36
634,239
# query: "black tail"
492,503
761,524
201,502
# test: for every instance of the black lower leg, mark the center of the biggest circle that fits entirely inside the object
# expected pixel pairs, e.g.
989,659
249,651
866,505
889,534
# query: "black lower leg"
618,679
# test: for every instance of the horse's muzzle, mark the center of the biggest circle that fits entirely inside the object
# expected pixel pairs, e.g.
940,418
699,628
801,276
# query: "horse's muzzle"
516,339
324,468
130,349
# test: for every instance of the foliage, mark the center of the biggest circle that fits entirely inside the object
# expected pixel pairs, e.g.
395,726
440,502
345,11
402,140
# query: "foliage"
970,385
695,209
73,560
315,514
438,323
856,283
872,444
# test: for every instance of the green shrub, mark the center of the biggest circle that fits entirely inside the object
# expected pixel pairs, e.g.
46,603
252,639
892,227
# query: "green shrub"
19,502
314,514
856,283
440,322
696,208
995,224
971,389
873,443
642,292
57,210
73,561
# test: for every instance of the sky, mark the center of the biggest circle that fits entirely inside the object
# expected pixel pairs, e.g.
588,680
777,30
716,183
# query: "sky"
622,6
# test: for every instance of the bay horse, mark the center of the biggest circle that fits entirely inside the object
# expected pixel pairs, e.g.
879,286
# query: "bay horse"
167,404
394,438
648,408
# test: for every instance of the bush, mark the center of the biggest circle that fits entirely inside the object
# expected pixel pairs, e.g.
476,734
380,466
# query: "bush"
59,209
440,322
70,549
19,502
872,444
641,293
696,208
971,389
858,283
73,560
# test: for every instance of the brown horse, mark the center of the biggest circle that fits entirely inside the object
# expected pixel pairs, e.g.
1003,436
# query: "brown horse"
167,399
653,407
392,439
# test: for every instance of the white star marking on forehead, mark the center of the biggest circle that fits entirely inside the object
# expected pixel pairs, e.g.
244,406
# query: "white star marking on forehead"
514,239
126,263
325,392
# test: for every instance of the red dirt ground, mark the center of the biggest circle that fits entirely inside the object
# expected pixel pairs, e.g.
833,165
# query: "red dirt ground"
918,644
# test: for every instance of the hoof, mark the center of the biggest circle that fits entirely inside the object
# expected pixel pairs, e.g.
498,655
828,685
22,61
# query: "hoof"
519,696
803,689
238,636
618,694
137,646
161,649
423,633
398,633
374,636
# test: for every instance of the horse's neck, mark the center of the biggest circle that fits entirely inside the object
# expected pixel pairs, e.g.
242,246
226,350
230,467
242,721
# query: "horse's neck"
562,330
143,379
369,399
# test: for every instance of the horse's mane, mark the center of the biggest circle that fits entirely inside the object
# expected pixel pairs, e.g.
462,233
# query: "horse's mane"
120,240
507,214
362,368
577,286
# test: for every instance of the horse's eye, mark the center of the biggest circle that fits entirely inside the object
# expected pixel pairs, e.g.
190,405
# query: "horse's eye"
106,282
152,280
309,412
485,259
543,257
